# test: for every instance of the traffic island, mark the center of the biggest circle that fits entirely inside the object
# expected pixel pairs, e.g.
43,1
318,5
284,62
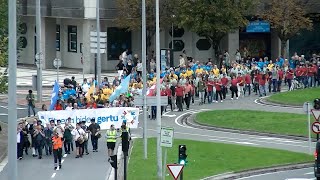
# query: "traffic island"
257,121
296,97
207,159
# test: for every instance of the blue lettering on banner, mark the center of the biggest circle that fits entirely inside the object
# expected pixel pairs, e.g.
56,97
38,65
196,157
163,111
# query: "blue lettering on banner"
110,118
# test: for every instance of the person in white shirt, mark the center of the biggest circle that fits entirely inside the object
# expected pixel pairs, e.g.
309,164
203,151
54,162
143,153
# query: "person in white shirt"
124,57
69,107
85,86
139,68
182,62
79,137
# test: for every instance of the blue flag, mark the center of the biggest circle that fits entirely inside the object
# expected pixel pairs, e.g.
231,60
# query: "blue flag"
122,88
54,95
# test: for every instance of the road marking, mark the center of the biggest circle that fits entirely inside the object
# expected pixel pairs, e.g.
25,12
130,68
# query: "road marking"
3,114
309,173
3,163
269,105
6,107
281,140
62,161
65,155
53,175
235,142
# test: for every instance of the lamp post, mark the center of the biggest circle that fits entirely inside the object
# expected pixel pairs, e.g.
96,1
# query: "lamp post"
172,34
39,55
12,93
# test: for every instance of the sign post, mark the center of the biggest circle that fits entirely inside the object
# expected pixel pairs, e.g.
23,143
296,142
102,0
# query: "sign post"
309,126
57,64
166,141
175,170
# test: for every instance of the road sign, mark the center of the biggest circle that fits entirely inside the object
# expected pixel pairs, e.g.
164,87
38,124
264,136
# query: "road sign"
316,114
175,170
94,42
57,63
166,137
316,127
151,101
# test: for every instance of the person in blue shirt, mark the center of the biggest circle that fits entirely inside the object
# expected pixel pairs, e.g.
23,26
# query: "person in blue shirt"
261,63
281,61
151,75
177,72
163,74
195,66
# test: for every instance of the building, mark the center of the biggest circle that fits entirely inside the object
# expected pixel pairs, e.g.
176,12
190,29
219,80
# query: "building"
66,26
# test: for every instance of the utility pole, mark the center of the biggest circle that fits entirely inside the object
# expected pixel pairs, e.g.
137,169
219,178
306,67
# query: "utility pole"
12,93
159,150
98,44
144,77
39,53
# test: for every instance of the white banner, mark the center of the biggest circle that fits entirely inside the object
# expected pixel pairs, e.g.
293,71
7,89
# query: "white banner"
104,116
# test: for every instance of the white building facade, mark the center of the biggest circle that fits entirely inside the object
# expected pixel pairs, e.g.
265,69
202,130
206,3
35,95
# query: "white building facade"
66,27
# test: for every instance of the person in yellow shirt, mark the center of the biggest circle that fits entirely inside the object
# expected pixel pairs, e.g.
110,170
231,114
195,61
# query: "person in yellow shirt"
107,91
223,70
199,70
270,65
189,72
216,71
183,74
173,76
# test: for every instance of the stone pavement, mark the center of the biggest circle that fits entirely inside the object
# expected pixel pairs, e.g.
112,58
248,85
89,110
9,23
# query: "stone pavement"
24,76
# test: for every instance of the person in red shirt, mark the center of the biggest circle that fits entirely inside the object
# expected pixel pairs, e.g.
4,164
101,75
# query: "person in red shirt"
169,94
289,77
256,77
304,73
224,82
92,104
241,82
187,91
179,90
233,87
310,75
58,105
247,80
218,86
262,84
210,94
280,78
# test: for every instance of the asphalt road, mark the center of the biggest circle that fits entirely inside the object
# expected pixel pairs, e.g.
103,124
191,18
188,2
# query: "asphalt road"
22,112
81,169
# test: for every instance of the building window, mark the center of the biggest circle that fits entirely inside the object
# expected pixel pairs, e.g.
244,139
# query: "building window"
118,41
178,45
72,39
203,45
58,37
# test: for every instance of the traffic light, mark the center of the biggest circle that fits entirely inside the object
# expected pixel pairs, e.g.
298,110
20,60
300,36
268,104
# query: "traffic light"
113,161
316,104
182,154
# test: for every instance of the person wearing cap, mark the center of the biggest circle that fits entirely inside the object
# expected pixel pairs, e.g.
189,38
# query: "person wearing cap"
57,142
94,129
111,136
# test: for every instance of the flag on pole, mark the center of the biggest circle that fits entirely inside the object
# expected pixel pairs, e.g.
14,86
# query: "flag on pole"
121,89
91,90
54,95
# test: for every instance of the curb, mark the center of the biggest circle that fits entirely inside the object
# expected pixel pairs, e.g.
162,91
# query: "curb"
190,121
241,174
264,101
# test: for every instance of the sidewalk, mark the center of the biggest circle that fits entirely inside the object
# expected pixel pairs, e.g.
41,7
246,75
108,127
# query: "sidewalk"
24,76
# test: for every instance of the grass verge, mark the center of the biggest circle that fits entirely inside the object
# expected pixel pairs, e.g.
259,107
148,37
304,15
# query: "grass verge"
295,98
207,159
261,121
3,141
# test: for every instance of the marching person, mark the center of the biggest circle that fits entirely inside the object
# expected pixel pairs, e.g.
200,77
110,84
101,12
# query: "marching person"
86,137
94,129
31,103
111,136
67,136
48,131
78,135
57,142
32,129
20,141
39,137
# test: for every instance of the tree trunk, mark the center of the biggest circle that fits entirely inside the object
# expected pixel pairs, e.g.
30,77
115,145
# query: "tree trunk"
216,49
284,52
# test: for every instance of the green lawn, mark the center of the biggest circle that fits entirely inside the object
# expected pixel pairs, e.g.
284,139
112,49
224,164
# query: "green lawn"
262,121
207,159
297,97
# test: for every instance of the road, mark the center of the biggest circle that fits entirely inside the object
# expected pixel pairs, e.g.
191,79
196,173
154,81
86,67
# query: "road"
97,162
22,112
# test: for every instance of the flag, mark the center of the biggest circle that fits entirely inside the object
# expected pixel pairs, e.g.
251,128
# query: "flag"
54,95
121,89
152,89
91,90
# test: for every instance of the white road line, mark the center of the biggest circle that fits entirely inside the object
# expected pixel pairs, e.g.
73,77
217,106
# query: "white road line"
235,142
3,114
62,161
279,106
251,138
65,155
309,173
53,175
3,163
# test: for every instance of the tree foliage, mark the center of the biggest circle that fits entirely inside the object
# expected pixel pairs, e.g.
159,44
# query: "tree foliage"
3,43
212,19
287,19
129,16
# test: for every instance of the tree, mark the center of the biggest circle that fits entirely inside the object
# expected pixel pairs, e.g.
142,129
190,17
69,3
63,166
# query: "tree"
212,19
129,16
287,19
3,43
